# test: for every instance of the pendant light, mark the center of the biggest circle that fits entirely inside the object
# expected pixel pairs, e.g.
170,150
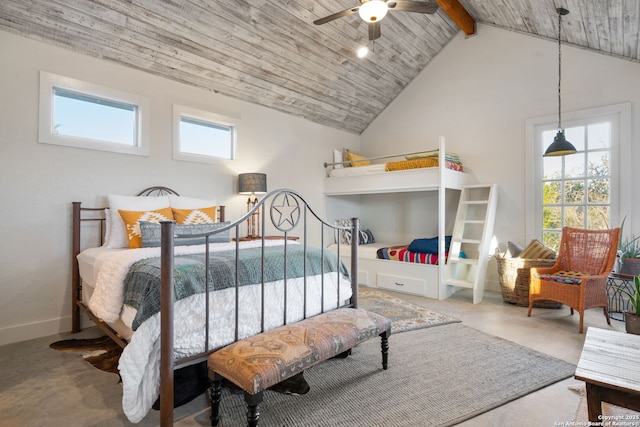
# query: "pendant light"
560,146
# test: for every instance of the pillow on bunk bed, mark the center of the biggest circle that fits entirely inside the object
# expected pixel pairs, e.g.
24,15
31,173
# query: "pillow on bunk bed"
350,156
429,246
338,159
151,233
344,236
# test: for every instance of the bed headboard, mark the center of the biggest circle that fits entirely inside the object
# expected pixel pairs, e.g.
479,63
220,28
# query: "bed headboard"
80,215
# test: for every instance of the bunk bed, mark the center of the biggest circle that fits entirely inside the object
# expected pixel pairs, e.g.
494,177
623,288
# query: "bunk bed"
409,277
174,326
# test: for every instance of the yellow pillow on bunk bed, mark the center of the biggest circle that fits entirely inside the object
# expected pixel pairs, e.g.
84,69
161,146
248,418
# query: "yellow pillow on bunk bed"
132,223
360,160
195,216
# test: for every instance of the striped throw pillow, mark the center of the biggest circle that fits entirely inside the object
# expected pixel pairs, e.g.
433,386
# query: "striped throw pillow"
537,250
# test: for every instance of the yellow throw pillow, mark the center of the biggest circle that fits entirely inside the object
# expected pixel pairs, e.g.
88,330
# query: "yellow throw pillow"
537,250
132,223
353,156
195,216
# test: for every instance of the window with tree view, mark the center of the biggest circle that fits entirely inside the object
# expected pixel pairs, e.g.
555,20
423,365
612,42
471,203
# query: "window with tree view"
576,188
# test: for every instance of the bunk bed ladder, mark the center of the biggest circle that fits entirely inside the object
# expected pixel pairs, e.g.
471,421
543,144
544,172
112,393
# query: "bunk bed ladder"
470,241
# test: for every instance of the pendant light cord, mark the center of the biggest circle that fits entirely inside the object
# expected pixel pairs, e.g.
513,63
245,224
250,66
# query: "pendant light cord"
560,13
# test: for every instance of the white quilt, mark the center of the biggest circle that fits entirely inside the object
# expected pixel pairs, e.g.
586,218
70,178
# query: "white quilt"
140,361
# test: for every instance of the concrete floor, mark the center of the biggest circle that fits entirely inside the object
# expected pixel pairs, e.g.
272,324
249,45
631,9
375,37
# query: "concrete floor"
34,395
550,331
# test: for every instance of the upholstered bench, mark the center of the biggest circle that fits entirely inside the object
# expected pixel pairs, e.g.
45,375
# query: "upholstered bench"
261,361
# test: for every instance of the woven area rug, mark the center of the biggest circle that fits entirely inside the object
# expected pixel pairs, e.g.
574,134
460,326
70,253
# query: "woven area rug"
436,377
404,316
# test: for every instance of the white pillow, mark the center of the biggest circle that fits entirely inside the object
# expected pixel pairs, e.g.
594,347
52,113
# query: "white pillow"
181,202
117,235
337,158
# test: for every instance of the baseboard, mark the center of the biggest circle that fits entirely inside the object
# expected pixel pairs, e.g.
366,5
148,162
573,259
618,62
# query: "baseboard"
492,286
33,330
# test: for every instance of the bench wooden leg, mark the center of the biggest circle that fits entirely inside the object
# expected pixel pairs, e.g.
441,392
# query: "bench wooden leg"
385,348
253,414
215,391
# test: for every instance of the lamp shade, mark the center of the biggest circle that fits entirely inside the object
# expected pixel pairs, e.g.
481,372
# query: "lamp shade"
373,10
249,183
560,146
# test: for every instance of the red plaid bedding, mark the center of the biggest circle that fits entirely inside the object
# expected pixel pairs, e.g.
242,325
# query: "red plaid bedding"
402,253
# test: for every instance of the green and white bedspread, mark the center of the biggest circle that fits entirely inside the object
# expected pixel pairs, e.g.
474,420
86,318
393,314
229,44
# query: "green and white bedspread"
142,282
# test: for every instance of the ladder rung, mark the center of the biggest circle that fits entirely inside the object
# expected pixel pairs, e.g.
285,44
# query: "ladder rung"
469,241
460,283
468,261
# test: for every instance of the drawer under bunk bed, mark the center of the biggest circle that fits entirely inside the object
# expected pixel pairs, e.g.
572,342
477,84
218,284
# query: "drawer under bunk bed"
415,278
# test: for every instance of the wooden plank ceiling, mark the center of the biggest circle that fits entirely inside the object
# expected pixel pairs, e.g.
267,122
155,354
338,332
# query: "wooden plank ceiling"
268,51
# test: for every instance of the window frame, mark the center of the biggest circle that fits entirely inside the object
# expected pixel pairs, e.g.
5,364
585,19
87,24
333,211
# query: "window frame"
209,117
46,134
620,161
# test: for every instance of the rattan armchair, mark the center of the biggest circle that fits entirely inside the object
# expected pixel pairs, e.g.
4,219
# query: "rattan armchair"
589,252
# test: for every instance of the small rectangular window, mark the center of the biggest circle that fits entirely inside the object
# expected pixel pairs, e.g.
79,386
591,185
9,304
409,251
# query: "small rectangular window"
202,136
85,116
80,114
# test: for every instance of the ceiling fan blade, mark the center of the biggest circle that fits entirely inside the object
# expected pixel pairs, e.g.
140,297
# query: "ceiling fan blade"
337,15
374,30
429,7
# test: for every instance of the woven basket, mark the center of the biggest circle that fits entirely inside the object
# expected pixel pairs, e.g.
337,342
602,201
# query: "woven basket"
515,274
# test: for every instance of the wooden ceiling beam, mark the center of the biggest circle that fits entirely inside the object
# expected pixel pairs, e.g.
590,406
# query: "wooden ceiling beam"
459,14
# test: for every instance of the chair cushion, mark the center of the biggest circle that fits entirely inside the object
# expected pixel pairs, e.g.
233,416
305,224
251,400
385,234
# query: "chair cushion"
570,277
258,362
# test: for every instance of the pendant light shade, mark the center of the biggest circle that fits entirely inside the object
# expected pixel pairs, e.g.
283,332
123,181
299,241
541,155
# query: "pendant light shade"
560,146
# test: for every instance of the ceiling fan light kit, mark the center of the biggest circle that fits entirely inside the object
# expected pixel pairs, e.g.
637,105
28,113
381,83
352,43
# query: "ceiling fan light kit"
373,10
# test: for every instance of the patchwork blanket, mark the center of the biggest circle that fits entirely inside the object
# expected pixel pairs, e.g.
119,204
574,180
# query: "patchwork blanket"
142,290
402,253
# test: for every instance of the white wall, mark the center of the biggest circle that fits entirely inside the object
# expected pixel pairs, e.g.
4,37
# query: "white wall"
478,93
38,181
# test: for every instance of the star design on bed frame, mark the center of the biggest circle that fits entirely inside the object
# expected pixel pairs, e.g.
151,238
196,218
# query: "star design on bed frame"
286,212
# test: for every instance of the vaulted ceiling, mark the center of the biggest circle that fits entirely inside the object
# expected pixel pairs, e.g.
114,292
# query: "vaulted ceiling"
269,52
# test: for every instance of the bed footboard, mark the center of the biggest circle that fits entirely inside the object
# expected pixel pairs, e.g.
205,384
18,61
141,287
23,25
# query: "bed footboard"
287,211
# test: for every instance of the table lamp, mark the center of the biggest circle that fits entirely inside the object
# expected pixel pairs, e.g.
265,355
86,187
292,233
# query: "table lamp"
252,184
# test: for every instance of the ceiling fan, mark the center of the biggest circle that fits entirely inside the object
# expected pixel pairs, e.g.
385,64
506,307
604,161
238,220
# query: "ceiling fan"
372,12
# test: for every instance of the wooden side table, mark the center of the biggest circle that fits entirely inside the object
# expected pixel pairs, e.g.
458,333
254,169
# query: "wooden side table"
609,366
